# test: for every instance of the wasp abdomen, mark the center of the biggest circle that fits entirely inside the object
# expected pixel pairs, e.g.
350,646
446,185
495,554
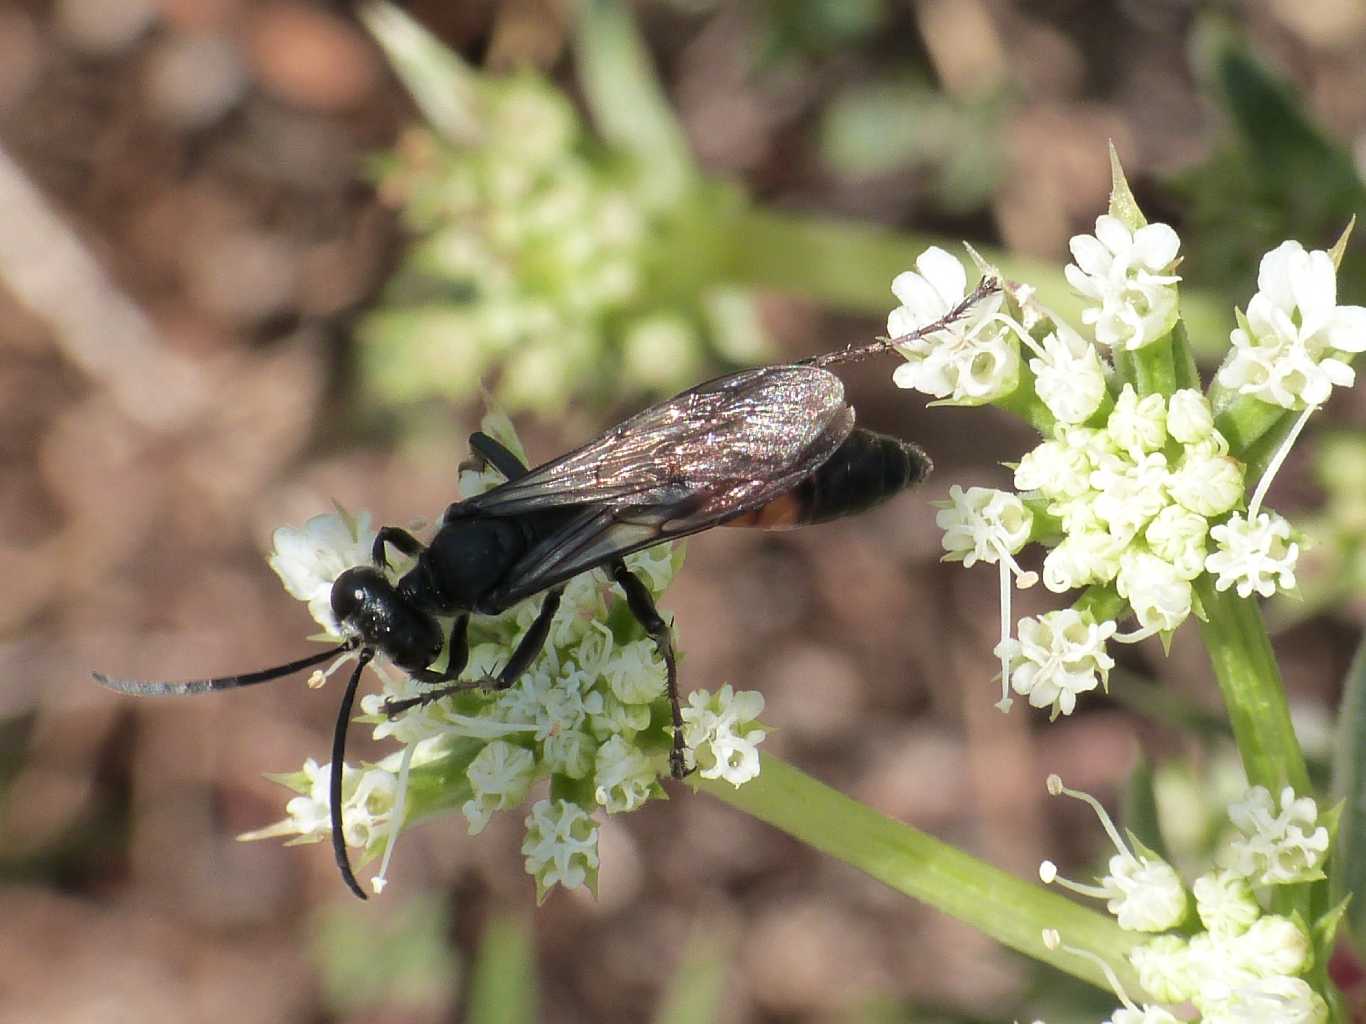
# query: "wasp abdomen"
867,469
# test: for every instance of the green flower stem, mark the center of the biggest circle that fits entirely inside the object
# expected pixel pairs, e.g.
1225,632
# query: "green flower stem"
1008,909
1183,359
1250,680
1155,369
1245,421
1125,369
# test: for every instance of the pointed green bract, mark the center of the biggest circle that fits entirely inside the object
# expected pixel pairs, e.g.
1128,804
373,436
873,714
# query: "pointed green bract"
1123,205
1340,246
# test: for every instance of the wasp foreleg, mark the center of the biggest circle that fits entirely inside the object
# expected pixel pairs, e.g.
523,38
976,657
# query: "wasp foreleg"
401,539
497,455
460,655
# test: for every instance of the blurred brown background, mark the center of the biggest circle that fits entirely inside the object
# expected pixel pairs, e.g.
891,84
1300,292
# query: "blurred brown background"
186,238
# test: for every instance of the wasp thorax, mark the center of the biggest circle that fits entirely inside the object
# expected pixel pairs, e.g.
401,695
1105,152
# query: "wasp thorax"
366,603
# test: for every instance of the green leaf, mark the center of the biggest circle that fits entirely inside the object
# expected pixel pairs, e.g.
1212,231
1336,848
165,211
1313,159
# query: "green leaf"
1276,175
1347,865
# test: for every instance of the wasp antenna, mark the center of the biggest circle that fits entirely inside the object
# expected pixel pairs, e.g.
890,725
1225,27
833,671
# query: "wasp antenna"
854,354
338,761
148,688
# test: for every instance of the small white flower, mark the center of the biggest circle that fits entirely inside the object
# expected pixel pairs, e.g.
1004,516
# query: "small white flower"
500,776
309,815
1129,1013
1130,493
1143,892
368,797
1138,426
1120,272
309,559
552,702
1159,596
1272,945
969,362
624,777
618,718
1207,482
982,524
635,673
1190,419
722,733
1255,556
1284,349
1164,969
1147,894
1277,848
561,846
1082,558
1271,1000
1177,535
570,753
1057,656
1225,903
1068,376
1055,469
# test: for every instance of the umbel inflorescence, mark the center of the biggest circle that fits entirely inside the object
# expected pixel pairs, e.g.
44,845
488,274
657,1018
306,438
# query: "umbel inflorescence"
1133,489
1147,490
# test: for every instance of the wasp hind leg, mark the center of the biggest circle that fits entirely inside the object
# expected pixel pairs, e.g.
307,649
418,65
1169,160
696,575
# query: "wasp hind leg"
642,605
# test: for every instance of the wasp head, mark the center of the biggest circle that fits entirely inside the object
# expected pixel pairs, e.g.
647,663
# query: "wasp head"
367,604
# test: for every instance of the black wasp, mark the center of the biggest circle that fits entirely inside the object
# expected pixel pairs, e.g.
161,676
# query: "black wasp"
772,447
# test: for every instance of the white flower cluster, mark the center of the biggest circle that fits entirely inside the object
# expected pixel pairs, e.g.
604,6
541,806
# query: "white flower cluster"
1287,348
1134,488
557,255
591,712
1125,276
1135,498
369,796
1245,965
1277,847
973,361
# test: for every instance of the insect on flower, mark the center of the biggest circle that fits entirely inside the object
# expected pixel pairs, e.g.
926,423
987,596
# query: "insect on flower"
772,447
